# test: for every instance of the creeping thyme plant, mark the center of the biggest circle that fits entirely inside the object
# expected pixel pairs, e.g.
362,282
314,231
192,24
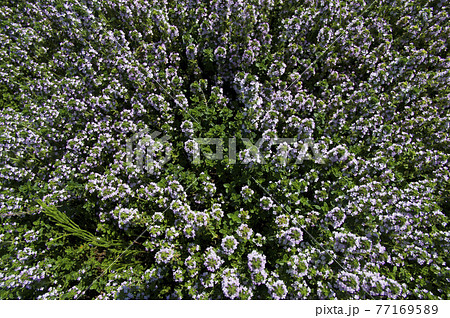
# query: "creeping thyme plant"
365,82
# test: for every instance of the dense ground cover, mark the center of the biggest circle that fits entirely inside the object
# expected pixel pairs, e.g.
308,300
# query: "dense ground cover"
366,82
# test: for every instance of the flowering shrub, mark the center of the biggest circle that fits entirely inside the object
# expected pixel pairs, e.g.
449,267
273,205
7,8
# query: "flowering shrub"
247,213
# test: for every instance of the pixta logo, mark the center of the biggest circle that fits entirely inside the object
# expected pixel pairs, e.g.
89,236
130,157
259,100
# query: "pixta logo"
253,151
148,151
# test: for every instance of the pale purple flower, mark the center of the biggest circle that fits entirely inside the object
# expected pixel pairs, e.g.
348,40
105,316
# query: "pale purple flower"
164,255
256,261
244,231
212,260
278,290
229,244
266,203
